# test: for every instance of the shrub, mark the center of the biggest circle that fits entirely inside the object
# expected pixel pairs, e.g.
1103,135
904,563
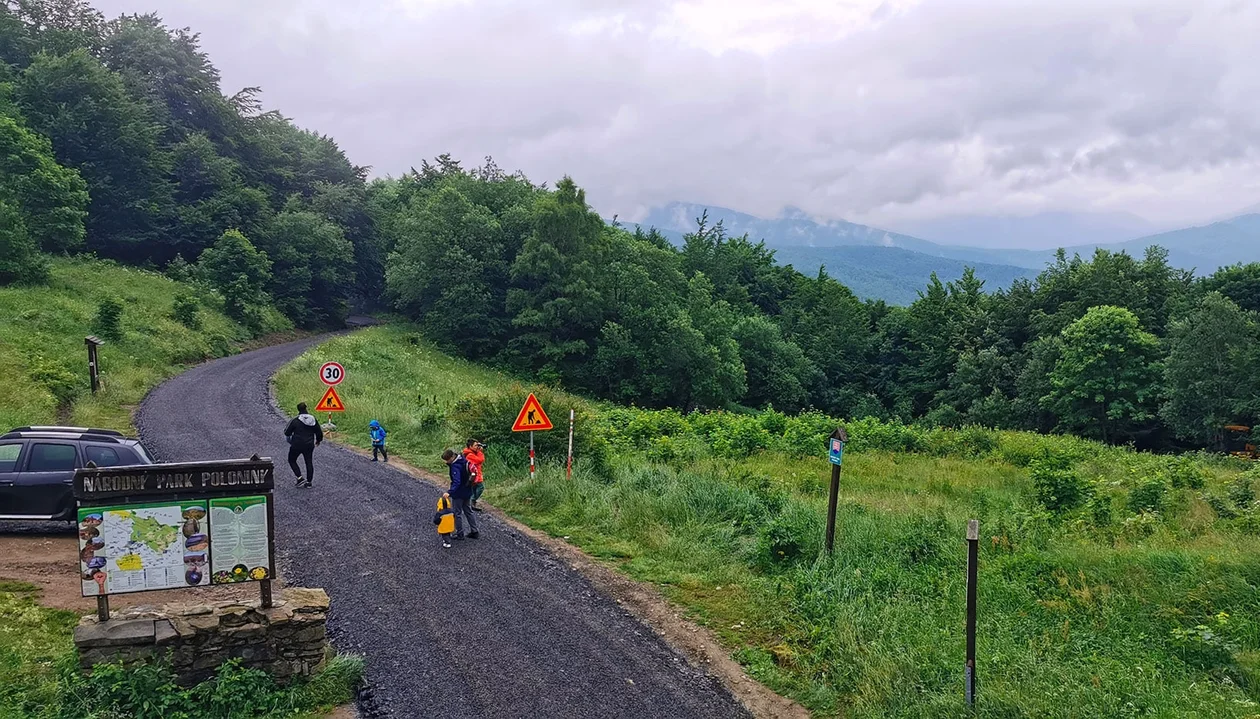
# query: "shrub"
1101,514
1149,496
185,311
53,376
1059,487
108,321
1240,492
1184,472
792,535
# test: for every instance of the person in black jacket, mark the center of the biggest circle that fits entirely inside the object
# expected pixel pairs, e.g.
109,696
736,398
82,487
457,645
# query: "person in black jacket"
304,436
460,494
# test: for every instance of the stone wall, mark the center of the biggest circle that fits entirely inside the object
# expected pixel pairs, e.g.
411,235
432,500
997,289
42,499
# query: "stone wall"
286,640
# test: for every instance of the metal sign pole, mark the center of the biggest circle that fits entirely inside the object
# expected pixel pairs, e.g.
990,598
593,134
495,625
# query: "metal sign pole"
973,546
568,472
102,608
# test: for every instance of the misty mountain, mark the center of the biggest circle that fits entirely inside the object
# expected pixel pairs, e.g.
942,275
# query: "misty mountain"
1045,230
891,274
874,263
804,241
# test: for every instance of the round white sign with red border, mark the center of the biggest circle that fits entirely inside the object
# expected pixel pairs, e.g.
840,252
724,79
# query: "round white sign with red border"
332,373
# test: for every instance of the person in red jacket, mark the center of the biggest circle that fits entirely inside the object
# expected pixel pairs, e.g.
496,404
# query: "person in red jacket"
474,453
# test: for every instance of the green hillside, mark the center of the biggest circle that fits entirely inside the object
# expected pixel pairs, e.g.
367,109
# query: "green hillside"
42,351
1113,583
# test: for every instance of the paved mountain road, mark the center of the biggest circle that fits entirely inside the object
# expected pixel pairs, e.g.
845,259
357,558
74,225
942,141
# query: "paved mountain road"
494,627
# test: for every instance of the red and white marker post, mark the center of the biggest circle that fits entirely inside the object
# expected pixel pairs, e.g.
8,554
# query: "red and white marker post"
568,468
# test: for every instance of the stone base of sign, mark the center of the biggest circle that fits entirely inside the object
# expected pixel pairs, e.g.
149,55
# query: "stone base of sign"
287,640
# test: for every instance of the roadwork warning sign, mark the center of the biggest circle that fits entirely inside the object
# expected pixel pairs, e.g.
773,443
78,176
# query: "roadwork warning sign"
532,417
330,402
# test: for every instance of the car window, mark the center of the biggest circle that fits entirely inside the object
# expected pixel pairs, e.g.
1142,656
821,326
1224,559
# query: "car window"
51,458
103,456
9,456
144,455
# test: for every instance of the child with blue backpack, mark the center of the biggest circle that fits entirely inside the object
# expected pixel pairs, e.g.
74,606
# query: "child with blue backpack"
378,440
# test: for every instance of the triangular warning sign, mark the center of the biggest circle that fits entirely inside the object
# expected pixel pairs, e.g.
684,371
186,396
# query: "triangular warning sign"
330,402
532,417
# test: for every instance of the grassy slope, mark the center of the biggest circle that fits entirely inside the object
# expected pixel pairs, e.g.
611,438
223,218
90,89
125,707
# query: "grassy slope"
1147,617
42,329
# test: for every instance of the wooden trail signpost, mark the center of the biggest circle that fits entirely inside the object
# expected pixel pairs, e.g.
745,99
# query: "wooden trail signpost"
173,526
531,418
973,558
835,453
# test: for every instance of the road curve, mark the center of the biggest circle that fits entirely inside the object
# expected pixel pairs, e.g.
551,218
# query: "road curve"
495,627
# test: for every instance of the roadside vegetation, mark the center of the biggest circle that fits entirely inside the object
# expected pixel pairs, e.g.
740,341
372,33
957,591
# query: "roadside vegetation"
42,679
1112,582
152,326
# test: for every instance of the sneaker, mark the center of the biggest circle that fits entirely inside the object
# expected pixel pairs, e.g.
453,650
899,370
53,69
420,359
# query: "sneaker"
308,484
446,544
474,535
374,459
297,481
459,537
475,508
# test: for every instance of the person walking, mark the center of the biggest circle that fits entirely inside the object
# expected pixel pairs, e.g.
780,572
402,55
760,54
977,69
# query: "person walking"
304,435
475,453
459,494
378,440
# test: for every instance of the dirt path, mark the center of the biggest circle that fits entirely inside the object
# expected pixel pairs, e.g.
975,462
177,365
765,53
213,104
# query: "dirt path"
495,627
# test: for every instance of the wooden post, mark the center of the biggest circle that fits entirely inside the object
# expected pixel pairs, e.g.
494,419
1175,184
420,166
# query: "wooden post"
264,587
94,368
568,471
973,554
834,497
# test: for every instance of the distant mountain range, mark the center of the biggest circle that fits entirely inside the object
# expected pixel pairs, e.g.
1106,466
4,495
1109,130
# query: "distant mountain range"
879,264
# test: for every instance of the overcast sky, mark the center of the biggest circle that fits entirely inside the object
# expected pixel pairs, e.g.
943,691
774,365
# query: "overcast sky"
876,112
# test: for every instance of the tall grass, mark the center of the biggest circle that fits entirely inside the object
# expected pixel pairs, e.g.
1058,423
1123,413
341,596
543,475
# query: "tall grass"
1139,600
44,359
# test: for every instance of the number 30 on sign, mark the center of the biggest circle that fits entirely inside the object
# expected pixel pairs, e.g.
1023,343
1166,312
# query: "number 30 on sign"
332,373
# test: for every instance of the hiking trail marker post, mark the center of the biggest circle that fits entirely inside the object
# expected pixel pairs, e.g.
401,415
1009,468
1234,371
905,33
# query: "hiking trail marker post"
568,468
331,374
973,556
532,419
94,362
835,453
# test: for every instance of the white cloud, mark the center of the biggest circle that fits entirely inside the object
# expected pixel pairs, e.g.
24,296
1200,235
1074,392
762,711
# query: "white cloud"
872,111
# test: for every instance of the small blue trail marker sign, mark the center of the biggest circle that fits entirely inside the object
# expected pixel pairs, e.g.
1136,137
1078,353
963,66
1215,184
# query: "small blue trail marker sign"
836,455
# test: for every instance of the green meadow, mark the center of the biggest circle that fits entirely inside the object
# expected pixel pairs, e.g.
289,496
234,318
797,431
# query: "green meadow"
1112,583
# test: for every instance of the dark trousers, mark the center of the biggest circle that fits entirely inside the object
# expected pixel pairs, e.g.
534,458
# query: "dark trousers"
305,453
380,448
463,509
478,488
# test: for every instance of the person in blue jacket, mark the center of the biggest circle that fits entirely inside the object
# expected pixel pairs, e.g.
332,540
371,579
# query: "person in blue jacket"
460,493
378,440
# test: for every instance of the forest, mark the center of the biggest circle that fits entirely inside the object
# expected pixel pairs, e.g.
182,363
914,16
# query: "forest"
118,141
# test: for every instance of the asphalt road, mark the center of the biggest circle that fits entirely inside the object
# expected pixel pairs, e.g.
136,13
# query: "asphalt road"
494,627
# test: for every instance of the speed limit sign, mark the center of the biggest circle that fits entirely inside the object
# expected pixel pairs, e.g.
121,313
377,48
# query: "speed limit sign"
332,373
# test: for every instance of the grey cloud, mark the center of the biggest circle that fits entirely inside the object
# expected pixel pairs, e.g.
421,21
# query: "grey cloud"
941,107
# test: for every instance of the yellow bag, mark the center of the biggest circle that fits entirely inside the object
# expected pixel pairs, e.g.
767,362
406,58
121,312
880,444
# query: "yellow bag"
446,518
